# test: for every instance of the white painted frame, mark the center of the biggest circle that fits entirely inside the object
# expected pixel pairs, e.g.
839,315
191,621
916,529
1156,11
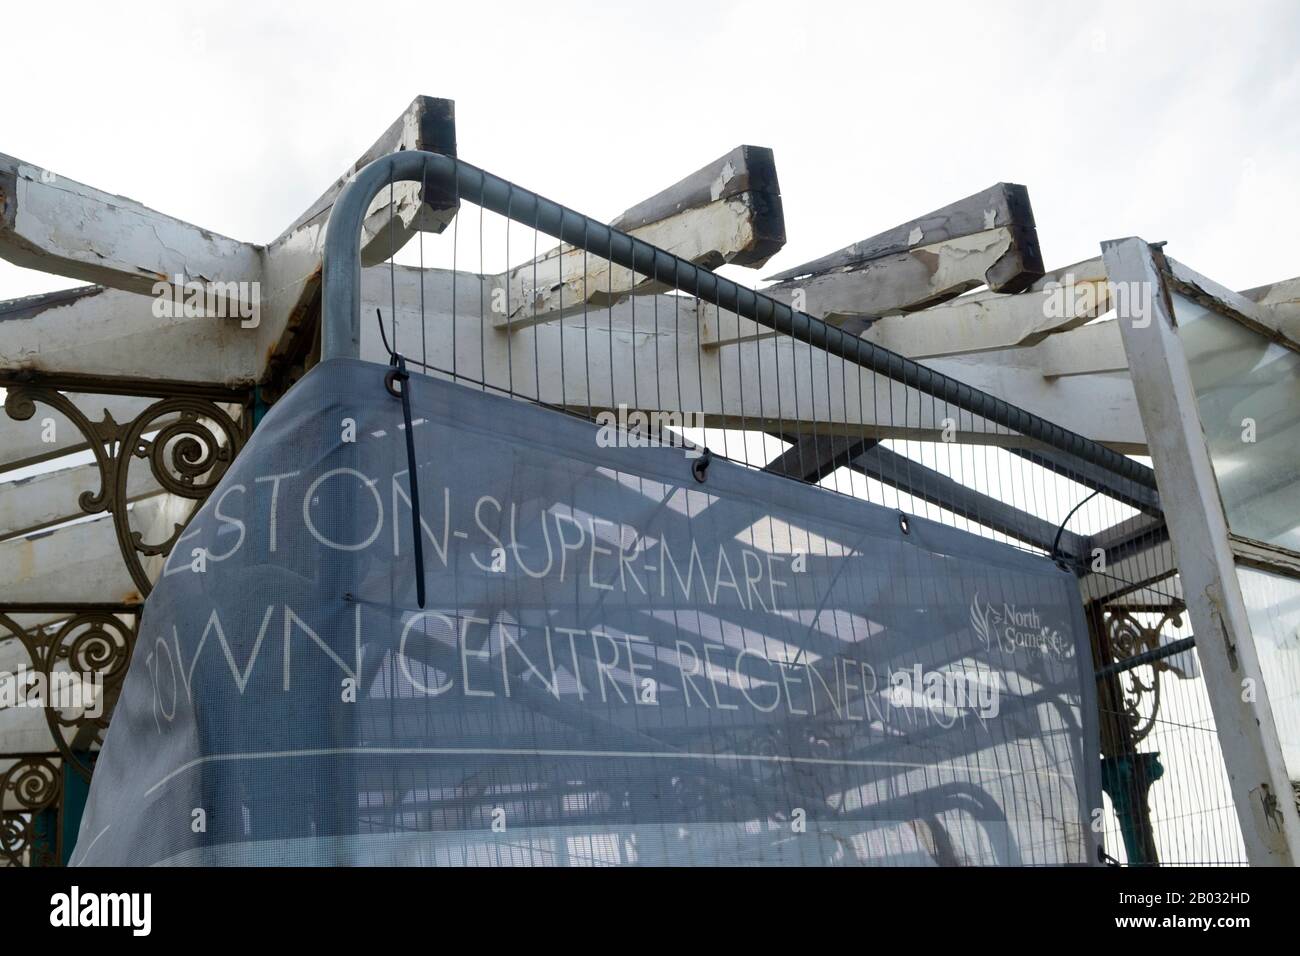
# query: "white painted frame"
1198,529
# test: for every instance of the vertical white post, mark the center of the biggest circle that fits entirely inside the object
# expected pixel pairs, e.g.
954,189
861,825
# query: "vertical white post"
1198,529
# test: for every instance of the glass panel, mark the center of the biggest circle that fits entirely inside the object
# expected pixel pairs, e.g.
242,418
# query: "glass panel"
1273,606
1248,392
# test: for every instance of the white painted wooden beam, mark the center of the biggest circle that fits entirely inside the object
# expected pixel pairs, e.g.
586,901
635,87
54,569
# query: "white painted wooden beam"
1098,347
57,225
902,281
23,730
215,348
428,124
1099,406
987,321
1083,351
1261,789
892,284
99,331
75,563
1280,302
23,443
644,353
898,287
51,498
13,654
727,212
1260,320
105,332
1105,416
1004,205
659,351
1149,570
986,239
1056,339
985,333
81,562
291,278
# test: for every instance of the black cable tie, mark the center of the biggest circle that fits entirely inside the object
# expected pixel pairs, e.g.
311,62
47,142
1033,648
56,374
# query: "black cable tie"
396,374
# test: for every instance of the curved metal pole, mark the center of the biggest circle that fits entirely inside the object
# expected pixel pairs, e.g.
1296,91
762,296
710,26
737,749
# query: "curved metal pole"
341,297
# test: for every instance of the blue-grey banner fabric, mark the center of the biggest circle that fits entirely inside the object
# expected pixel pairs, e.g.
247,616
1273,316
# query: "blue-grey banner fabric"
616,663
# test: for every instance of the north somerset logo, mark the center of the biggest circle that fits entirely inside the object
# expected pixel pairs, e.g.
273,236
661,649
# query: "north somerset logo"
1012,628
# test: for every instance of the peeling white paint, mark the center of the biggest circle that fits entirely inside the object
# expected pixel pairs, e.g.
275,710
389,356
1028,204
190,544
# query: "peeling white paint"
719,185
715,233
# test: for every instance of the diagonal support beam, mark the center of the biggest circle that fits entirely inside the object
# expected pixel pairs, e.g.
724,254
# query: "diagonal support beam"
1267,321
812,457
1280,305
30,504
1131,493
936,488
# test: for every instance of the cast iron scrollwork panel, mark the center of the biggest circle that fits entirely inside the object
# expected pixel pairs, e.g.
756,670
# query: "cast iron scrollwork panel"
34,784
94,645
1130,637
188,442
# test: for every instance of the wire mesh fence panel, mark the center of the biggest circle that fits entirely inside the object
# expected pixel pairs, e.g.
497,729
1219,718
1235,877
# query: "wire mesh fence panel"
648,637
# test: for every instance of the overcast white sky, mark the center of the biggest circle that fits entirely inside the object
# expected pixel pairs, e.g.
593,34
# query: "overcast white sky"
1177,121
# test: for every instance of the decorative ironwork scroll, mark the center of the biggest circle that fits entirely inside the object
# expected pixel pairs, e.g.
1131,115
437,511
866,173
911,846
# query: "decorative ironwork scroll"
93,644
188,441
1128,638
35,784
